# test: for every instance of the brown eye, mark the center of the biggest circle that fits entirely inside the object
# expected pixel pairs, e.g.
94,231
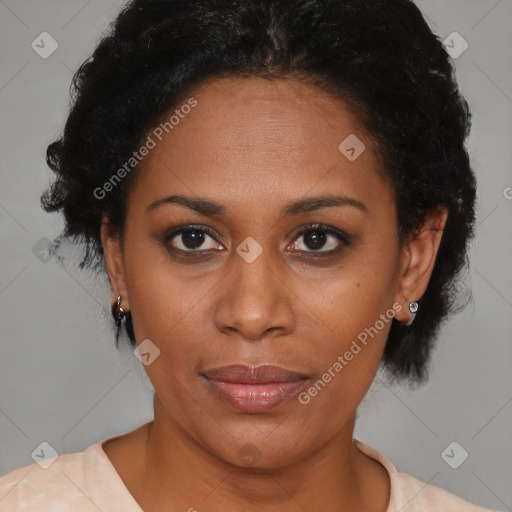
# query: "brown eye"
315,240
320,239
192,239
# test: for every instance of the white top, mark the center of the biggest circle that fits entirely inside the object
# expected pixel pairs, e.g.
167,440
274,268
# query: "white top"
87,482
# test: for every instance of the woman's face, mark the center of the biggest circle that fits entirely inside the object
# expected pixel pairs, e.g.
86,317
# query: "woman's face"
252,282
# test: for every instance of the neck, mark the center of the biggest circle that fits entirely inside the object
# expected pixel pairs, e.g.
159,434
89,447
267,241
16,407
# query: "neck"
176,472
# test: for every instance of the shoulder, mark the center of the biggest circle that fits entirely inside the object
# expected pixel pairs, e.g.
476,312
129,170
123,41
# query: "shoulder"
81,481
417,495
37,486
408,494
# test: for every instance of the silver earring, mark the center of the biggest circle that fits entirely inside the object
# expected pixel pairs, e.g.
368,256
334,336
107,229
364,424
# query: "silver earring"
413,309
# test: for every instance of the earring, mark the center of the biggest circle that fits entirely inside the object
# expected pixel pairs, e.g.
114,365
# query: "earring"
413,309
118,313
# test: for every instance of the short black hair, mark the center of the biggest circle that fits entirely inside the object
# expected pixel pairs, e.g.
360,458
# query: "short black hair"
377,55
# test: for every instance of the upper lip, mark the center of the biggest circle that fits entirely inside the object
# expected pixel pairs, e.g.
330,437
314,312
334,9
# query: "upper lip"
243,374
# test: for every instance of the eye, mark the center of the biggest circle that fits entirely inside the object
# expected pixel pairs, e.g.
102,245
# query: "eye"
193,239
318,236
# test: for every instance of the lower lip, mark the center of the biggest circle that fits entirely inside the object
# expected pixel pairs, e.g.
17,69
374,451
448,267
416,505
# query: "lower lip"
255,397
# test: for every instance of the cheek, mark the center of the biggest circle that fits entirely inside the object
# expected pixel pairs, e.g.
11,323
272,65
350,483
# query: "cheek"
168,307
160,298
347,359
355,312
355,296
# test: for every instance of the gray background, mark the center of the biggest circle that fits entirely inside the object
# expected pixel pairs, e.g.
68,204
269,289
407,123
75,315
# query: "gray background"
61,379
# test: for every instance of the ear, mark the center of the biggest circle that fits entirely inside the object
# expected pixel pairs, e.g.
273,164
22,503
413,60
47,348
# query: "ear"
418,259
111,243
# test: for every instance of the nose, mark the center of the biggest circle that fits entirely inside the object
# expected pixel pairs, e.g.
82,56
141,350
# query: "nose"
254,301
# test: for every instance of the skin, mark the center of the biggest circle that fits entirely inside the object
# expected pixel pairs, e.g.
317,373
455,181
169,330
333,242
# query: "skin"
253,146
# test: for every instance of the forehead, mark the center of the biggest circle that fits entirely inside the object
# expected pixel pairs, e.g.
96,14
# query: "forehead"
255,138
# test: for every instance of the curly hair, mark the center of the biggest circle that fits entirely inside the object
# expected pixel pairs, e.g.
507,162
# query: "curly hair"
379,57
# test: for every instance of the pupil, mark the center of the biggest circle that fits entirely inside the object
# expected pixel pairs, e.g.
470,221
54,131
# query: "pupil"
192,238
317,238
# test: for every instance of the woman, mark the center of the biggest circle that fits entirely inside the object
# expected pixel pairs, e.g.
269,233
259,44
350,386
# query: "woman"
282,199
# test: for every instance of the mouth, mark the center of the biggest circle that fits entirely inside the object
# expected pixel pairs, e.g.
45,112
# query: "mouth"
254,389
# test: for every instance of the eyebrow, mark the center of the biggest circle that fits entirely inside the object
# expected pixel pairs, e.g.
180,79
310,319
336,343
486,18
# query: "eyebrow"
208,207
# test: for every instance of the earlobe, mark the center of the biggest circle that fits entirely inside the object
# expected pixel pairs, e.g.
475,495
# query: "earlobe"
417,263
111,243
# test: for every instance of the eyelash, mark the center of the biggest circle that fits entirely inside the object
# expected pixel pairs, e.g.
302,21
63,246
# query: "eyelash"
341,236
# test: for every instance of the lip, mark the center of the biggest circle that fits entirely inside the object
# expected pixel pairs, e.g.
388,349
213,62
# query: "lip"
254,389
